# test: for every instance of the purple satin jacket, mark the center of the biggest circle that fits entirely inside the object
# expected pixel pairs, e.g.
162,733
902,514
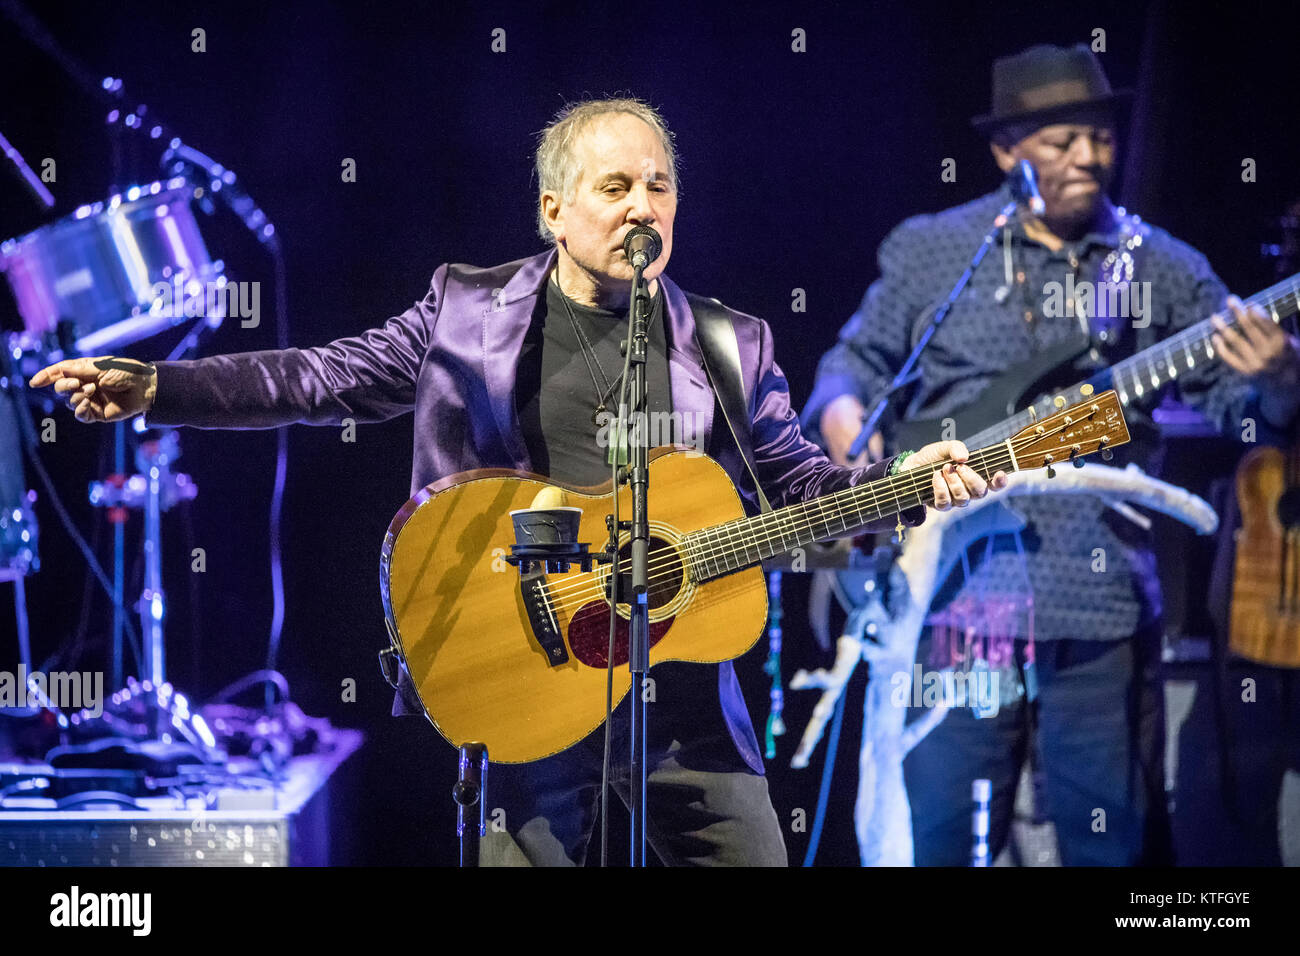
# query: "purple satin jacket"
452,358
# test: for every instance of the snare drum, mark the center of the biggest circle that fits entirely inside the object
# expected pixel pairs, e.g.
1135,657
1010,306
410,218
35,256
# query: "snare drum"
98,272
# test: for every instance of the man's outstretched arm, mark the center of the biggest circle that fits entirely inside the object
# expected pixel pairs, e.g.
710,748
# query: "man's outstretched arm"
369,377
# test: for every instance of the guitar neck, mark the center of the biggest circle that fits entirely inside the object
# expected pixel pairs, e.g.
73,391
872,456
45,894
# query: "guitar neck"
738,544
1143,374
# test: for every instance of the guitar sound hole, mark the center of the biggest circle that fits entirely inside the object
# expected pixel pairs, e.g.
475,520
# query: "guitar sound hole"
666,574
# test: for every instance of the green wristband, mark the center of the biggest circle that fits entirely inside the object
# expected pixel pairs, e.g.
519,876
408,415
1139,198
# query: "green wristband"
897,465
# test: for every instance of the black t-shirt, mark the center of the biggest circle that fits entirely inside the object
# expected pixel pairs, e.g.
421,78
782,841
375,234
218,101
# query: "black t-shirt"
556,396
556,399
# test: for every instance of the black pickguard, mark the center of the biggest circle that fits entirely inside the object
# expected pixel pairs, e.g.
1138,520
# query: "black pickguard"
1008,395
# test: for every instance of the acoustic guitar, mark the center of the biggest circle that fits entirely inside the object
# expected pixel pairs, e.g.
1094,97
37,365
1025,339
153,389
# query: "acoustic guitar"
1264,624
1265,619
520,662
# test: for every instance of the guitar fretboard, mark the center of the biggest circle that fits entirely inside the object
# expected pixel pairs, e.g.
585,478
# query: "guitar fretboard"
738,544
1141,376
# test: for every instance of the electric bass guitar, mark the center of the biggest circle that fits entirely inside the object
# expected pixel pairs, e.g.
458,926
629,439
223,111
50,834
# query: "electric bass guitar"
519,663
1026,391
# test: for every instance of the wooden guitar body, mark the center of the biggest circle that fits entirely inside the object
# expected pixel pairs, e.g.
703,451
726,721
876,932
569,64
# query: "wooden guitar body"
1265,621
456,611
518,659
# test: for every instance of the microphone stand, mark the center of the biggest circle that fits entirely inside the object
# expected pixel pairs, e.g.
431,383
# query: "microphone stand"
905,374
638,477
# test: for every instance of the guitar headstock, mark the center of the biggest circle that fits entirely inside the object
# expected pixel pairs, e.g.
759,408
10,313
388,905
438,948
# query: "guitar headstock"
1095,424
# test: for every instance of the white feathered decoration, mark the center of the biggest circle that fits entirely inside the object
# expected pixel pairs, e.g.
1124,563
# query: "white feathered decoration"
882,816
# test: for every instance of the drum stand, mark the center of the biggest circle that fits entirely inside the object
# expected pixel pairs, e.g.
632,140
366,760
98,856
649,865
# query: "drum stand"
18,528
153,490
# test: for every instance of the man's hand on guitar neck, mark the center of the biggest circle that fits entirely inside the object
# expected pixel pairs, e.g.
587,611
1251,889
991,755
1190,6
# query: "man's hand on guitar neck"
1259,348
955,483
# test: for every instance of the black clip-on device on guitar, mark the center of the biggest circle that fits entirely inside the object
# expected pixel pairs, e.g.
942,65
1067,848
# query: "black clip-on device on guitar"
546,541
1024,189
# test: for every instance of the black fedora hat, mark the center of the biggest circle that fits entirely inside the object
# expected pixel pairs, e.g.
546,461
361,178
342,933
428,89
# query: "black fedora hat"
1047,84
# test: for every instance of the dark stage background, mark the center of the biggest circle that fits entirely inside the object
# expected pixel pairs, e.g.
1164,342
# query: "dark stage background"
794,167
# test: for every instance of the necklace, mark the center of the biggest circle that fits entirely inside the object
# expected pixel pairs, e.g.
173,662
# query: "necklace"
1117,269
589,357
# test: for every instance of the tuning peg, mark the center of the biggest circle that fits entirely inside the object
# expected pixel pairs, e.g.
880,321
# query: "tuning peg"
1107,454
1077,462
1051,472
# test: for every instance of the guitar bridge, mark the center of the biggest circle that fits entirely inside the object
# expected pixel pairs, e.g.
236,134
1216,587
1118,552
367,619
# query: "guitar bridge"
541,616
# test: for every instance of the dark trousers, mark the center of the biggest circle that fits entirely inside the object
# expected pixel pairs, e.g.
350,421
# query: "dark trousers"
1100,745
704,805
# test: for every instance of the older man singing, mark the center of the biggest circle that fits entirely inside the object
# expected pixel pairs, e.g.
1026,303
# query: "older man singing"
510,366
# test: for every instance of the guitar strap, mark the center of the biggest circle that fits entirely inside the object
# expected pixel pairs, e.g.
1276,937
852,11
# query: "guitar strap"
717,340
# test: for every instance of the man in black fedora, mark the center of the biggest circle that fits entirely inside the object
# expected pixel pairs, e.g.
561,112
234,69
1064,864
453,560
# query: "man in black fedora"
1066,611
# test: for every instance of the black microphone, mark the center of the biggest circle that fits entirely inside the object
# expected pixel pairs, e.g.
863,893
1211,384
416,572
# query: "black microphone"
642,246
1024,187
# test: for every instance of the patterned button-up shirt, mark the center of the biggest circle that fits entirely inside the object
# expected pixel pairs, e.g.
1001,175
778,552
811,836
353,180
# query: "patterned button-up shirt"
1008,312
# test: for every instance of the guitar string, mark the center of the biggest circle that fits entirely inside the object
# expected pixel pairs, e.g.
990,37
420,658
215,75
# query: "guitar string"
765,524
823,512
755,534
718,550
767,521
584,590
1285,293
912,483
1198,336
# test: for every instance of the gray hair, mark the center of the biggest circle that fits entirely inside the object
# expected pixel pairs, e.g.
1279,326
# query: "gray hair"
556,169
